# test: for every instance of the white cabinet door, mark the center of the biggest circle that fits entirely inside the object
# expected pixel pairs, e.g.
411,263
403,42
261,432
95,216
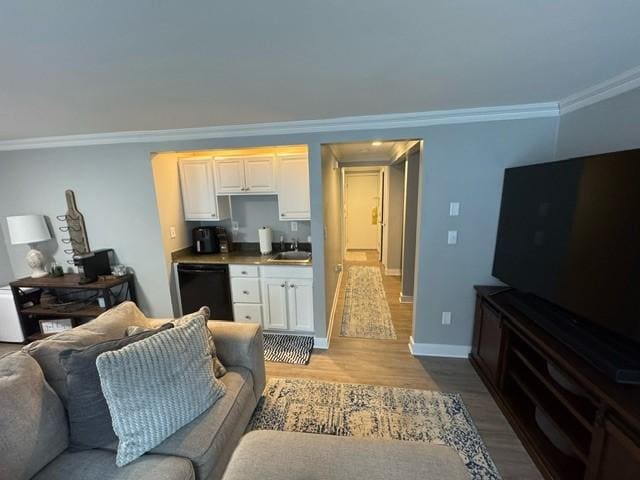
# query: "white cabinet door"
293,187
300,302
274,296
259,174
229,173
198,194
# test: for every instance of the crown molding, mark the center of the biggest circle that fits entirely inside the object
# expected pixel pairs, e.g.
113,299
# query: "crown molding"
617,85
366,122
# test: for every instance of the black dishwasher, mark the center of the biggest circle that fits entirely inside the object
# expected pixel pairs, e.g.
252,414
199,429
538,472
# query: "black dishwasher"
205,284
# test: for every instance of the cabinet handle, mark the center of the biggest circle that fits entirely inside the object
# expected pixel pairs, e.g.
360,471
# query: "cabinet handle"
244,272
214,215
282,214
283,285
246,292
248,317
292,286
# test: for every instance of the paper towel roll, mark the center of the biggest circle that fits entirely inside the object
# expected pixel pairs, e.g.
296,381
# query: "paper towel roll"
264,235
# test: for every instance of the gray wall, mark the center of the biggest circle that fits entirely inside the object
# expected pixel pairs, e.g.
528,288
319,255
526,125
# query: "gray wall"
115,190
607,126
394,213
255,211
465,163
332,192
6,272
412,171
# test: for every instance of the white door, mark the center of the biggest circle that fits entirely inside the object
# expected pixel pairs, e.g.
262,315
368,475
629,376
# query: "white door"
380,212
293,187
361,210
300,300
274,296
259,174
198,194
229,173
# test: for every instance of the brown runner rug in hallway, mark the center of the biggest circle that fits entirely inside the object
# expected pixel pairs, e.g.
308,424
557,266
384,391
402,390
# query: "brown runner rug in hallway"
366,312
309,406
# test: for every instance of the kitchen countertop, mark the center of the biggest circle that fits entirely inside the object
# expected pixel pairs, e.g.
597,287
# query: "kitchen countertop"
236,257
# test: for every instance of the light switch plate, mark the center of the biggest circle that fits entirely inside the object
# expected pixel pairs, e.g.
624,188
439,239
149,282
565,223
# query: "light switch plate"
452,237
454,209
235,226
294,226
446,318
172,232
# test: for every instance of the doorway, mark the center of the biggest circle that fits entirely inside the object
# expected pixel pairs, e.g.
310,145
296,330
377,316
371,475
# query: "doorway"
370,237
361,209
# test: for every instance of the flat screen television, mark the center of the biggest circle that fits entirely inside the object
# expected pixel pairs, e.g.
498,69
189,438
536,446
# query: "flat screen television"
569,233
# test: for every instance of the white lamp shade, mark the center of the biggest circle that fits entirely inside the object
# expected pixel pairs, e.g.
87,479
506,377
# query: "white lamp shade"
28,229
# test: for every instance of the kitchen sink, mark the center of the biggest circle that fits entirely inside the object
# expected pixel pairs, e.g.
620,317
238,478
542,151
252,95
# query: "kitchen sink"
292,256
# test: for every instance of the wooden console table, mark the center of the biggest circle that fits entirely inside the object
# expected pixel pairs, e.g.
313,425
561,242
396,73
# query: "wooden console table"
533,376
31,309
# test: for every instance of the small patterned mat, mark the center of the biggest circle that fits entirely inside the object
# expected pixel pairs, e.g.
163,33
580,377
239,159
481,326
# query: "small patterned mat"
283,348
309,406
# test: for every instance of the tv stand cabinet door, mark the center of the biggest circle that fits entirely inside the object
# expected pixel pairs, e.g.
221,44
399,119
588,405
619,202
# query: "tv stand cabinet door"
619,455
488,340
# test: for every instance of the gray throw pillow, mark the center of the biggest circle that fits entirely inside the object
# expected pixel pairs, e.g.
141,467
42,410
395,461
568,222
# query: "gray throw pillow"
218,367
157,385
89,418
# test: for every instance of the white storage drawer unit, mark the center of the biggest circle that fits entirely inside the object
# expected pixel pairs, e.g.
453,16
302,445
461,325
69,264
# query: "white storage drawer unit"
247,313
245,290
243,270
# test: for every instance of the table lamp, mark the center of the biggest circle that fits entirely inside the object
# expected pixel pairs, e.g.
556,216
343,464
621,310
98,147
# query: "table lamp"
30,229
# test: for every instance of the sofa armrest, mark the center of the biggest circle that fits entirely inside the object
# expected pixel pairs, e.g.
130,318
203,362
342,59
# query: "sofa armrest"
240,345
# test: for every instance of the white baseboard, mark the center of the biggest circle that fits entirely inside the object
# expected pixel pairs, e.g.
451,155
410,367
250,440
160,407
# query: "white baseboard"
438,350
392,272
406,298
334,307
321,342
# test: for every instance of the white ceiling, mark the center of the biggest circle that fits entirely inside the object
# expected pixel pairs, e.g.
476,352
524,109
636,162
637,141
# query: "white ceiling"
367,153
113,65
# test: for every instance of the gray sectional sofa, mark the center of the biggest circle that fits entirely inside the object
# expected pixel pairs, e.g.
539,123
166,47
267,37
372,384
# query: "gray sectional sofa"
34,441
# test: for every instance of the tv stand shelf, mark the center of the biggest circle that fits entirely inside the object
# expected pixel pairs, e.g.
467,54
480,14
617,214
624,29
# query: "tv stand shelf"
573,420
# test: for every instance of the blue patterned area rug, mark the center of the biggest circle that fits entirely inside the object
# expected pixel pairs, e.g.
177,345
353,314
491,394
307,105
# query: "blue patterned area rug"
283,348
308,406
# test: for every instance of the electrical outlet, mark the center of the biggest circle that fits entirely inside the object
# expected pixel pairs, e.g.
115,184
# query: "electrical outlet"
308,238
294,226
454,209
235,226
446,318
172,232
452,237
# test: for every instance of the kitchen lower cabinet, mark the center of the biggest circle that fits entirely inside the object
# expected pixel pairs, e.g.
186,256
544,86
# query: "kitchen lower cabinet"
300,304
275,294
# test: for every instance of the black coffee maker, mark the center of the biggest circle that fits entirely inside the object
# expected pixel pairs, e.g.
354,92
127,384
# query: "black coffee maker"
205,240
93,264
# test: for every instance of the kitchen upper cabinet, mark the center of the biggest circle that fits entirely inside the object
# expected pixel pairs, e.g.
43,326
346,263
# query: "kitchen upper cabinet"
229,175
245,175
199,198
293,187
300,304
274,296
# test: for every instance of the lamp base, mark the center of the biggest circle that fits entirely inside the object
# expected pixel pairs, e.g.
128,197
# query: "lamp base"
35,260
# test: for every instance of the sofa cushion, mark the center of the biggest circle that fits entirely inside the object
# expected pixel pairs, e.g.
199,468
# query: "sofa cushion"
33,426
210,439
89,417
101,464
111,324
276,455
157,385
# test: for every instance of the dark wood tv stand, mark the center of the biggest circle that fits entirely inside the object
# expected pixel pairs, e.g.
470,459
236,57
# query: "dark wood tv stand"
590,425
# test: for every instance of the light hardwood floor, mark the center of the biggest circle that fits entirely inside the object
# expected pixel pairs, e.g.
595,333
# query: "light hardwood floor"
388,362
